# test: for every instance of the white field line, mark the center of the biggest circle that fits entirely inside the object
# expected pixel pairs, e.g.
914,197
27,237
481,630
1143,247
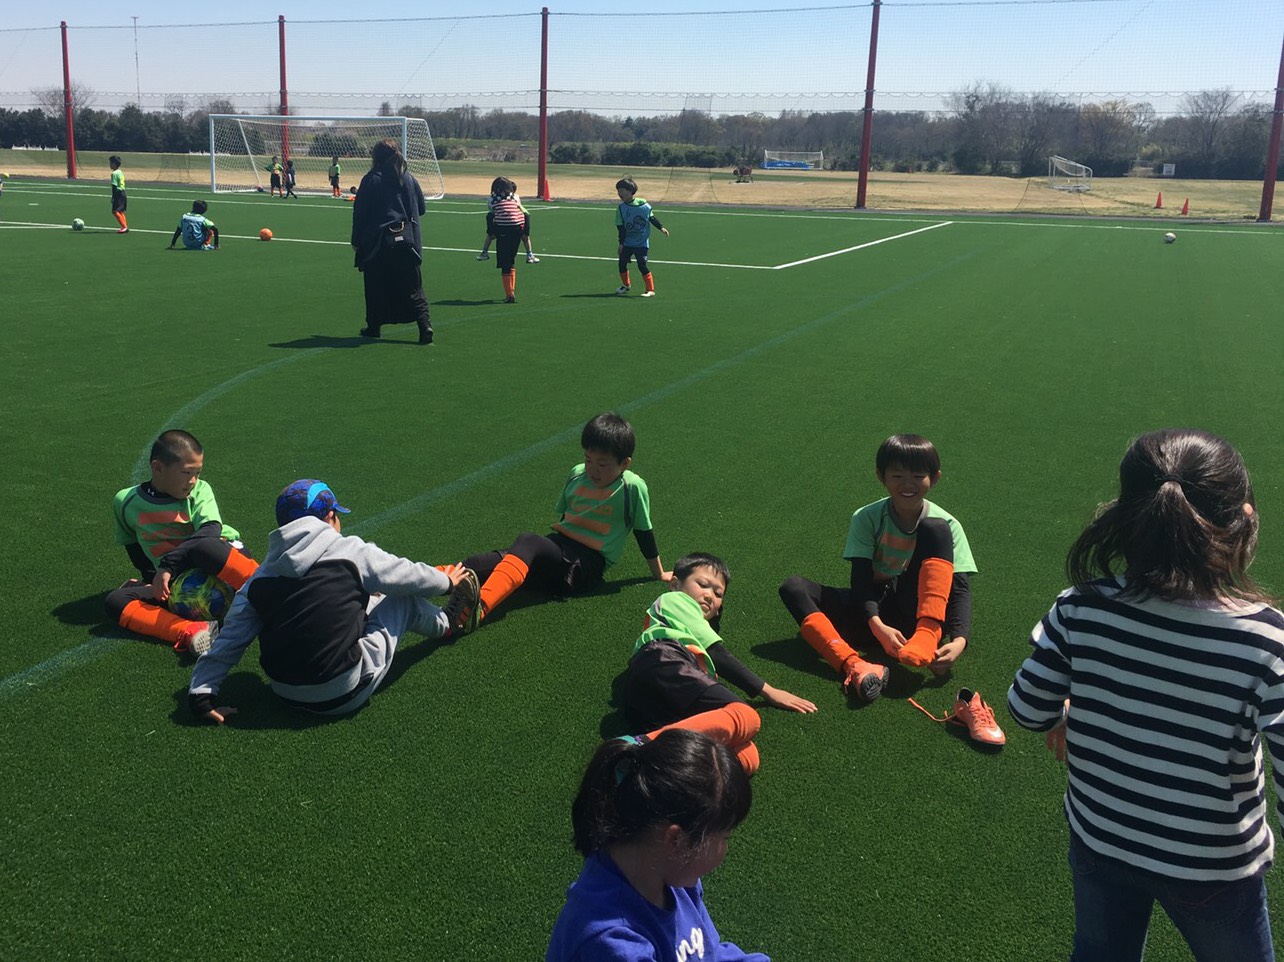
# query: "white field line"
873,243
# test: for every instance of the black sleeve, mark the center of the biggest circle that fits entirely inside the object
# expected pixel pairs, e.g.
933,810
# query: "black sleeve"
619,229
141,560
201,705
177,231
646,541
655,222
958,609
863,595
733,670
175,560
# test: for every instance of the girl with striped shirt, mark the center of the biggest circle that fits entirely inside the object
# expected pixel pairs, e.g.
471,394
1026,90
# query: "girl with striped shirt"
1157,677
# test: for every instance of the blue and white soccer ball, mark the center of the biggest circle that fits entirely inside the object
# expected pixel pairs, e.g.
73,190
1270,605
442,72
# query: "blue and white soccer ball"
1170,238
77,224
196,596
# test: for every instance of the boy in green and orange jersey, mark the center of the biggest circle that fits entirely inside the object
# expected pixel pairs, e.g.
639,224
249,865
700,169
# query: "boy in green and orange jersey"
167,525
601,502
274,170
118,199
909,581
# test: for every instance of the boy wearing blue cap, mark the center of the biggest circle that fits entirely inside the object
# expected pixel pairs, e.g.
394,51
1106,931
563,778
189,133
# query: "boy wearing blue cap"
325,640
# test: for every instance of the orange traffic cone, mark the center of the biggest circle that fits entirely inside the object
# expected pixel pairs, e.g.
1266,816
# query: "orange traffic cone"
1159,201
1185,208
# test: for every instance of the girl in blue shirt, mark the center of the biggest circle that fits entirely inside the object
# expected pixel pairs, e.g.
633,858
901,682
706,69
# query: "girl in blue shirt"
651,817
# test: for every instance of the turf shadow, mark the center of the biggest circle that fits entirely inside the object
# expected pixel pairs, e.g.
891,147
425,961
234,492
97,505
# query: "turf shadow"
530,597
329,340
795,654
257,708
460,302
615,723
84,611
604,294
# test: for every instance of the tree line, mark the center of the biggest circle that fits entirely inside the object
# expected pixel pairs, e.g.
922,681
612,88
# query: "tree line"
987,129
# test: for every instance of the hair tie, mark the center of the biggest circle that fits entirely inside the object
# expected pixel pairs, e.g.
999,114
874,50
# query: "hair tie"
623,768
1165,478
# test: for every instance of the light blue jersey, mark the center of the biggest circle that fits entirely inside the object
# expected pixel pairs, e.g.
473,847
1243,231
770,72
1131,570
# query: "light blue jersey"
635,218
194,227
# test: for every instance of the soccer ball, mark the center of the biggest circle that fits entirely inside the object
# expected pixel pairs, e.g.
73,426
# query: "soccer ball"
196,596
77,224
1170,238
265,234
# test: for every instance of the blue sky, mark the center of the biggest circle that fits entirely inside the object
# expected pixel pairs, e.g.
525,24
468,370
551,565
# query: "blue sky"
675,55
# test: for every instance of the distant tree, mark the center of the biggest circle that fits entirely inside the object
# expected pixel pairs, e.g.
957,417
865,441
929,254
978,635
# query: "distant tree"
986,114
50,99
1207,113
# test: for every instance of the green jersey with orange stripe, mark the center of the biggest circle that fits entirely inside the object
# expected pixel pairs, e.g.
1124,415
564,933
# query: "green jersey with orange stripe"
601,518
875,534
159,523
676,616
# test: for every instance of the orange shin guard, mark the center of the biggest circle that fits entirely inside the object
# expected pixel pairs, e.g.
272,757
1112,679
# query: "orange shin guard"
238,569
624,278
748,757
145,618
120,218
649,281
503,581
819,632
734,725
934,580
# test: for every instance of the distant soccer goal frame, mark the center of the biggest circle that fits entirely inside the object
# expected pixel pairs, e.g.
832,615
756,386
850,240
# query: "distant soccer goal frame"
242,147
793,160
1065,174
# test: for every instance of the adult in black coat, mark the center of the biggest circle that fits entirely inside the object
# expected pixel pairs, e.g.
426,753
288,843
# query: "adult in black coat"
388,243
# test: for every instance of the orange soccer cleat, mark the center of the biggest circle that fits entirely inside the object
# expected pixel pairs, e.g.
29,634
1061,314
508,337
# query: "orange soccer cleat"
971,712
863,679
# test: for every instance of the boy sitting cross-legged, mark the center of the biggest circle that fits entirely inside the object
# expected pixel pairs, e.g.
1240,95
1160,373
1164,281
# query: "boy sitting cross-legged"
168,525
909,583
326,640
601,502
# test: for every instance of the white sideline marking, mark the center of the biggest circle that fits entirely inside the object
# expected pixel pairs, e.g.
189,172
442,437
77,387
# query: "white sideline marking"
848,250
89,651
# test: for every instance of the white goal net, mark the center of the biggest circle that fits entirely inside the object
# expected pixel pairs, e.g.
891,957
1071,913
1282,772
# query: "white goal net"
242,147
1065,174
793,159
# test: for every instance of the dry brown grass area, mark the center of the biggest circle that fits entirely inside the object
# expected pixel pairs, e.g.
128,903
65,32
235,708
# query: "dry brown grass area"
1121,196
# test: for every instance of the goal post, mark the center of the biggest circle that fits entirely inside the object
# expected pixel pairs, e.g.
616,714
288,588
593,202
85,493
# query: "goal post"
793,159
242,147
1065,174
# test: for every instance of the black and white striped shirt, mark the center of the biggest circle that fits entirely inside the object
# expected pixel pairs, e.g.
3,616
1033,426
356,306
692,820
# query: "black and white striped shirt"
1167,703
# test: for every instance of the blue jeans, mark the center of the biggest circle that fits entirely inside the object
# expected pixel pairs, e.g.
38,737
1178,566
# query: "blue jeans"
1220,921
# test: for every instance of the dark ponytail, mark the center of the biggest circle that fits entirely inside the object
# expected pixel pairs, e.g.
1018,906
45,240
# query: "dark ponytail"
681,778
1178,526
386,153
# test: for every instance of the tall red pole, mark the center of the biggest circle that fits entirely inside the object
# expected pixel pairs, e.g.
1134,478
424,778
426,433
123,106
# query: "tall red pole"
285,94
867,127
68,107
1273,150
543,107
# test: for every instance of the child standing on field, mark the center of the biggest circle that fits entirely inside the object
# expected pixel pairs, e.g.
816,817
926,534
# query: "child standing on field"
335,171
274,171
197,230
601,502
1154,677
119,202
290,180
651,819
633,223
504,190
168,525
675,676
910,562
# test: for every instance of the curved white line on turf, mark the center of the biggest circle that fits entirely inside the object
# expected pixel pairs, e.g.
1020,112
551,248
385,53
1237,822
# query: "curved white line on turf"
58,664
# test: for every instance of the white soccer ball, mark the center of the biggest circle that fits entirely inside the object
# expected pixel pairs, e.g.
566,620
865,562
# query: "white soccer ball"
77,224
1170,238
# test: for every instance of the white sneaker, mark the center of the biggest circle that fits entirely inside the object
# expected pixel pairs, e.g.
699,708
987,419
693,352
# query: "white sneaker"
200,639
532,259
648,293
483,256
622,289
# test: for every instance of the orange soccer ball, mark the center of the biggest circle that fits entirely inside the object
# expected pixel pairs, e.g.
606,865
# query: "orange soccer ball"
265,234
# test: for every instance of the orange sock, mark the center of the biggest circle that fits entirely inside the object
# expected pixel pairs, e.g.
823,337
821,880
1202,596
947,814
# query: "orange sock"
748,757
624,278
503,581
145,618
819,632
120,219
238,569
649,281
510,284
734,725
934,580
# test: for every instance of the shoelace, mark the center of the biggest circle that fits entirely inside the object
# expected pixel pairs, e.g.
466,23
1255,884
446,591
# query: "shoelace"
947,717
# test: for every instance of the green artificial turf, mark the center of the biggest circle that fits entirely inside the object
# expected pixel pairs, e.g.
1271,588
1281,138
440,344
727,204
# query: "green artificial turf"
435,823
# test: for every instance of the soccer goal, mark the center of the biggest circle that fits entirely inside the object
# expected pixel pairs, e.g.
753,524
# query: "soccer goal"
242,147
1065,174
793,159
